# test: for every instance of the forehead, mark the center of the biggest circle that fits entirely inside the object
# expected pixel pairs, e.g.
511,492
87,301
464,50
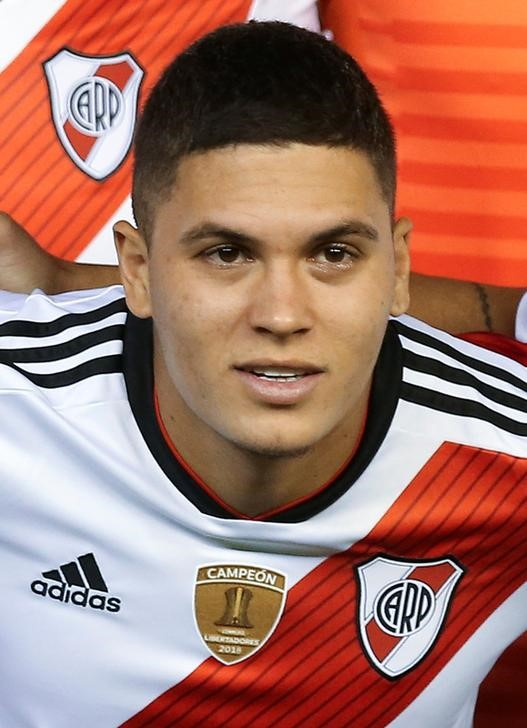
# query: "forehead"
268,187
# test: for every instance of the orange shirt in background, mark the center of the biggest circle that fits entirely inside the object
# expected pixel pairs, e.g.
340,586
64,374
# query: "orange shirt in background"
453,75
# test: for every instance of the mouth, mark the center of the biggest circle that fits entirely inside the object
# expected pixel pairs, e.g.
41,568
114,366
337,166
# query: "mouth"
278,374
282,384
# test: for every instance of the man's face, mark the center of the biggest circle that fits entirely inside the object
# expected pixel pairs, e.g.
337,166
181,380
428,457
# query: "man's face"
270,276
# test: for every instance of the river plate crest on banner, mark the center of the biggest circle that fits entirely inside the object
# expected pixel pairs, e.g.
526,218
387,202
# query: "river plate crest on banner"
237,607
94,107
403,606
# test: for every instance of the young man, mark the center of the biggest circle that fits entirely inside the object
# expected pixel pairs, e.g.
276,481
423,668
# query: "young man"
254,499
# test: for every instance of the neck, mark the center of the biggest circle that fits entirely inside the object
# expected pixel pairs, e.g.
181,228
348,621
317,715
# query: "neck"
253,483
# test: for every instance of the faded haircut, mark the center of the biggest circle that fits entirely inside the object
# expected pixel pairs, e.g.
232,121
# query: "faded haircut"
266,83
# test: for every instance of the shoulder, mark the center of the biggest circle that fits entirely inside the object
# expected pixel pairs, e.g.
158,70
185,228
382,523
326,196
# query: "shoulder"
462,390
40,308
49,343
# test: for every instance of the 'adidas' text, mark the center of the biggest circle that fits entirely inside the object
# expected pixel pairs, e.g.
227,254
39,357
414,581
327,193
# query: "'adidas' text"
80,597
78,582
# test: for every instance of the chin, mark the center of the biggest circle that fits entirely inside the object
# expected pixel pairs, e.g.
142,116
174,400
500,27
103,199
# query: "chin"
279,453
273,449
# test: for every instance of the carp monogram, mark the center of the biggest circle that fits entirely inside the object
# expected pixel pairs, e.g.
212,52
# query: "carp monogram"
402,608
237,608
93,106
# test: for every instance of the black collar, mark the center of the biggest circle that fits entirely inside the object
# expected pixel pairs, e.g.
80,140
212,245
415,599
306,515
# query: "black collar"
138,372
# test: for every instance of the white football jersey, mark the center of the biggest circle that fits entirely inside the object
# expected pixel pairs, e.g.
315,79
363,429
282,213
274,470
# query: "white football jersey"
131,597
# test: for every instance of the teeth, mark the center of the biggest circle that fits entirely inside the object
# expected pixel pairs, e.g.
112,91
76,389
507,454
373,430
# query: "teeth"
274,375
277,373
275,378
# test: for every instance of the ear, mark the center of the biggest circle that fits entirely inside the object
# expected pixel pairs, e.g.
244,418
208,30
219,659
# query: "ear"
132,252
401,243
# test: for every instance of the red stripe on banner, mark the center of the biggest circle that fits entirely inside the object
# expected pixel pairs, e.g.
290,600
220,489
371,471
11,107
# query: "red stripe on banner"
464,502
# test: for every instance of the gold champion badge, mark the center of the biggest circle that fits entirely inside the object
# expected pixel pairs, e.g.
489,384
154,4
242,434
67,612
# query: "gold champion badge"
237,608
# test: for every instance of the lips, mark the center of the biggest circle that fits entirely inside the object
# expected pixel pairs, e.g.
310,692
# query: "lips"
284,383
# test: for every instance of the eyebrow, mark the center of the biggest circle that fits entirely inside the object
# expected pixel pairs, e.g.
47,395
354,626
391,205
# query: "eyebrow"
211,230
347,228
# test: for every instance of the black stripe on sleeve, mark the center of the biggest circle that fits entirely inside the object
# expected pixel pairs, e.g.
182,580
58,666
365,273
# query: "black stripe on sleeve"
38,329
425,365
462,407
103,365
62,351
481,366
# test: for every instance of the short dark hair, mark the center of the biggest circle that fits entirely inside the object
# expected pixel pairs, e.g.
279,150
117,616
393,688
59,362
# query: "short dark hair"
257,83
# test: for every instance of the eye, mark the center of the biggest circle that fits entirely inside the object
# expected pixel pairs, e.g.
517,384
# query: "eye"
335,254
227,255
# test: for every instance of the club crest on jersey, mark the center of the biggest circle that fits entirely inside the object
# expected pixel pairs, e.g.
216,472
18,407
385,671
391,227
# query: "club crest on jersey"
94,106
237,608
402,608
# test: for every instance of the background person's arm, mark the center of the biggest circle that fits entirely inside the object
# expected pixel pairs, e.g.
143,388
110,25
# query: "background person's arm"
460,306
24,265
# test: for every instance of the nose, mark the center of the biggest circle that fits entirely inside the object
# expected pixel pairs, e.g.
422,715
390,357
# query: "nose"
280,301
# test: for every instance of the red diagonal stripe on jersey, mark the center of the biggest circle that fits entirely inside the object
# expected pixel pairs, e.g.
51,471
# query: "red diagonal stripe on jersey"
464,502
327,692
486,555
40,185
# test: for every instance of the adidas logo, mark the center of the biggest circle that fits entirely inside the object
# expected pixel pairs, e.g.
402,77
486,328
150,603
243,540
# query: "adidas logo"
75,580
